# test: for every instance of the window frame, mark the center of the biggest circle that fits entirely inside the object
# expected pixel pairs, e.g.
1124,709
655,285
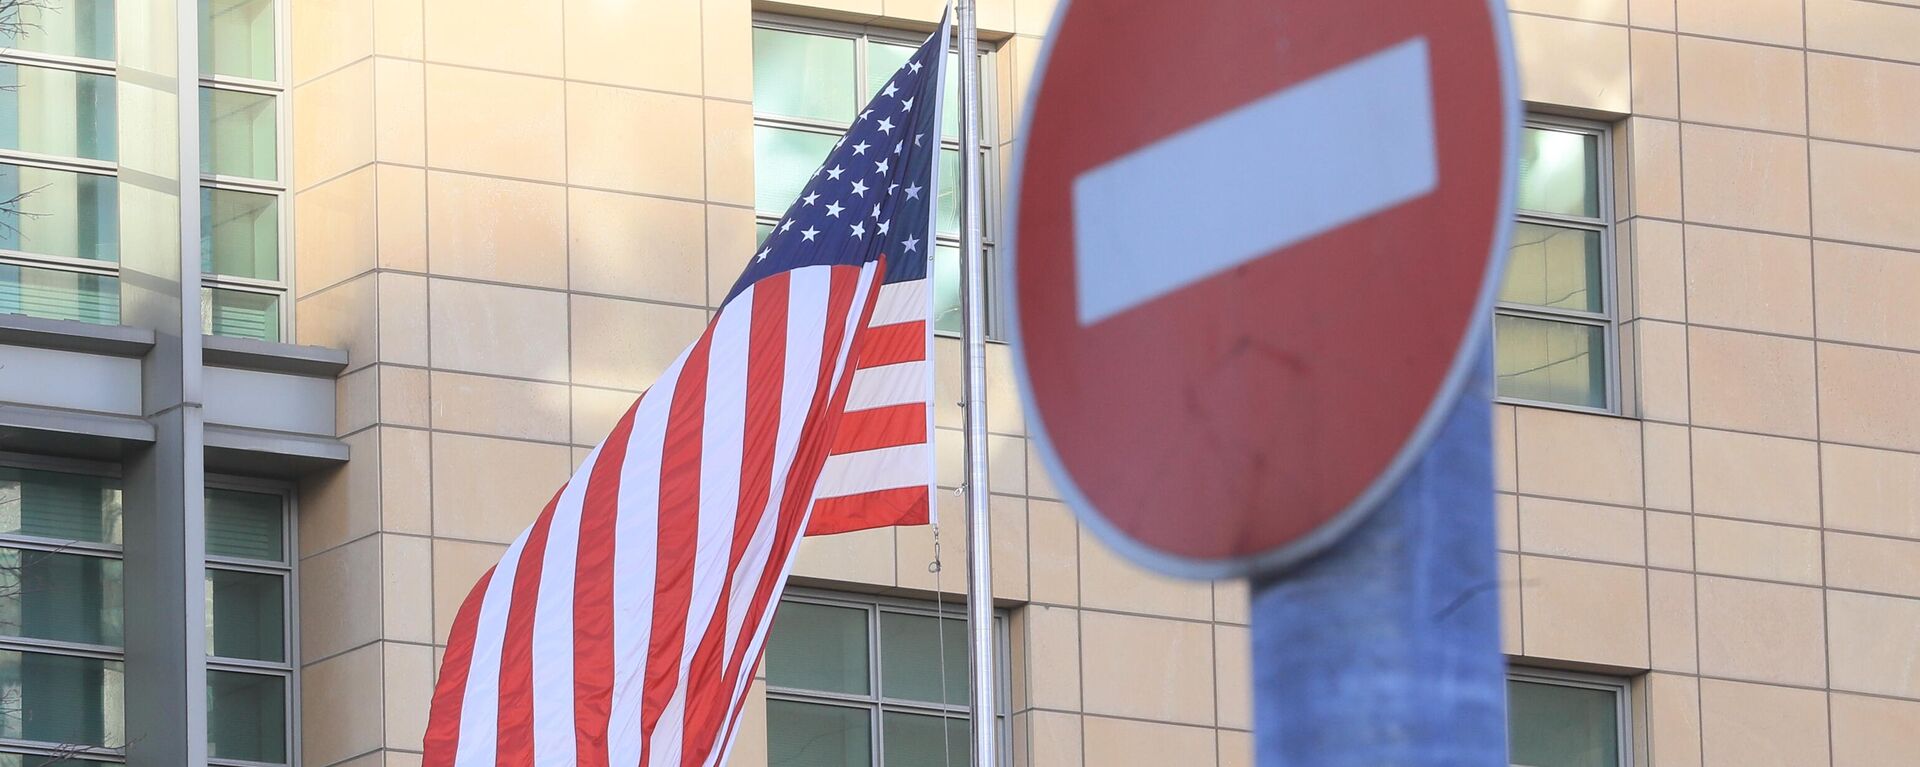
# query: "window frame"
989,147
111,170
1621,688
281,188
1608,319
288,669
876,703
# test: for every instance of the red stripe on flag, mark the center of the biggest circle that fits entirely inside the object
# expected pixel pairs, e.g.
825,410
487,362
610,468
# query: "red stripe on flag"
679,535
711,691
893,344
593,597
880,508
516,652
442,741
880,427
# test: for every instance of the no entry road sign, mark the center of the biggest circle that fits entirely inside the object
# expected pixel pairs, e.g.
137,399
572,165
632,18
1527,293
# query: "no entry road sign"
1252,240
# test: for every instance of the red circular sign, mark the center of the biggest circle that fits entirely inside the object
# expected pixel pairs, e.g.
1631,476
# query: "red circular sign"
1253,242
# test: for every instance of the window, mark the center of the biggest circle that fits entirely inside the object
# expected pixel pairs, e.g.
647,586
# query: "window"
867,683
808,83
62,681
1554,326
1566,720
59,136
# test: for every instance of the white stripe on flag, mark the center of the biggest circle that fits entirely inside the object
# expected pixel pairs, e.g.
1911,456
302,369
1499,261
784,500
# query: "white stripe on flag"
870,470
904,383
480,707
902,302
552,641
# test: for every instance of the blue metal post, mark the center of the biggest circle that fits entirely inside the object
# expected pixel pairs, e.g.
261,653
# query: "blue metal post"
1385,650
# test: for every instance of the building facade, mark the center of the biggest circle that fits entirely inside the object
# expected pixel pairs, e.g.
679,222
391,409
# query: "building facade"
247,476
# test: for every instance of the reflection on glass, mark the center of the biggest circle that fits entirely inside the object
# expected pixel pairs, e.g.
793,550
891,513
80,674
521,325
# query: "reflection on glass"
34,760
802,75
239,233
915,740
1551,725
236,38
947,216
60,597
910,659
59,507
82,28
245,616
58,213
760,232
240,314
946,290
818,647
1560,172
59,295
1554,267
811,735
246,716
783,163
245,525
1549,361
238,135
57,112
62,699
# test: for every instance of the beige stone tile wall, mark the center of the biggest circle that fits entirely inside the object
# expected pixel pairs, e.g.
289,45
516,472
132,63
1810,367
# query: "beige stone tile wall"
514,214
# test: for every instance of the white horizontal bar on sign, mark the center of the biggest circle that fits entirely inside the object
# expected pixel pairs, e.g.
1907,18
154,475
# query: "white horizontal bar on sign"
887,468
902,302
1287,167
889,385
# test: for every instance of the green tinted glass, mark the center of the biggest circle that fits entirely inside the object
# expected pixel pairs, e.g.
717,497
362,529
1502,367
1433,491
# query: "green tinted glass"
947,215
946,290
1547,361
803,75
818,647
760,232
60,213
40,760
886,59
1555,267
245,525
240,314
246,615
810,735
911,663
59,295
62,699
1551,725
783,163
238,136
60,597
57,112
236,38
239,234
1560,172
914,740
246,716
82,28
60,507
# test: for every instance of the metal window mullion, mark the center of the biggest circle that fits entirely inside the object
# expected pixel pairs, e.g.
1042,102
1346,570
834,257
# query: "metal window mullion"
1560,220
239,565
58,61
242,184
249,666
58,647
244,284
803,124
1550,313
26,747
237,83
59,162
57,546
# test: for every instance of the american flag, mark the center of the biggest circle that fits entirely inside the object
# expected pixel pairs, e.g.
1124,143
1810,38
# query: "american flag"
624,626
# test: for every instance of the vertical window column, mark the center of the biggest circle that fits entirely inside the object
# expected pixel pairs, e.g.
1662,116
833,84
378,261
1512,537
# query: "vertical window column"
249,661
243,178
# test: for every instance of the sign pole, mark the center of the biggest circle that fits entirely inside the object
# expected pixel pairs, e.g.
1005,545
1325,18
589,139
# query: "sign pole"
1386,649
974,339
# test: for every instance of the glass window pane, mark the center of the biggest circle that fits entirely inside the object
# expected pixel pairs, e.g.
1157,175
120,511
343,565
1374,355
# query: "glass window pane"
81,28
57,112
38,760
60,213
911,660
239,234
760,232
884,59
1555,267
783,162
59,295
237,134
240,314
246,716
947,217
61,507
245,525
946,290
246,615
803,75
62,699
914,740
819,647
61,597
1551,725
1560,172
1548,361
236,38
809,735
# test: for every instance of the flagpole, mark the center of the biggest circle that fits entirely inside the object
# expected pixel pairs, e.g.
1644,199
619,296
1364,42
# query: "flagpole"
973,336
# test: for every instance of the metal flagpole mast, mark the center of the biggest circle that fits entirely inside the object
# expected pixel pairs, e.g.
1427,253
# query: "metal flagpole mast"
973,338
